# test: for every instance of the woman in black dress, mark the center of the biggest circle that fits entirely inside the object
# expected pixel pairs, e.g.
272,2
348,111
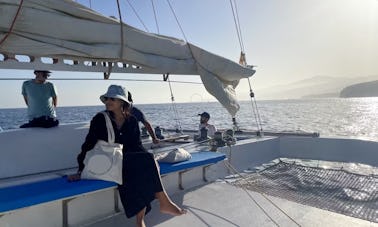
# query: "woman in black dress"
141,178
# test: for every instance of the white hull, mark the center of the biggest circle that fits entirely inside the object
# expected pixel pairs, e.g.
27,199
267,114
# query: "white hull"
210,204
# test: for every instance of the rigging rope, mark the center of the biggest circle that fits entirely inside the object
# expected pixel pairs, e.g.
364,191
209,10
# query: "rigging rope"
175,111
178,23
121,30
237,24
243,61
13,23
140,20
156,21
231,168
255,109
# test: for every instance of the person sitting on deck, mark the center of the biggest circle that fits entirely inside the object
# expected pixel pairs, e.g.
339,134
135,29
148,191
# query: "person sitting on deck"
140,173
41,99
138,114
205,129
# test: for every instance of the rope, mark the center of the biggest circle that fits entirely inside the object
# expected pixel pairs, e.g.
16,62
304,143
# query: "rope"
254,108
13,23
237,16
156,22
237,24
121,30
243,61
140,20
178,23
231,168
235,171
177,118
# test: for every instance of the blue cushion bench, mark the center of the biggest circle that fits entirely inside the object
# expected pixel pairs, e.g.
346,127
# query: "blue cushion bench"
204,159
28,194
24,195
198,159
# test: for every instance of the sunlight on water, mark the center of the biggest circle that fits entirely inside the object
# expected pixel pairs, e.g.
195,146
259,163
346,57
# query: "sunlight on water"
355,117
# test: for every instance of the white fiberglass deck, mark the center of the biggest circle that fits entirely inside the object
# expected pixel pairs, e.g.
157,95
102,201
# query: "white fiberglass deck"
221,204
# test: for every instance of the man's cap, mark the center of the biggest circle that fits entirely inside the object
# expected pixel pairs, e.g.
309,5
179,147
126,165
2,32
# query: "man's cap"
47,72
42,71
204,114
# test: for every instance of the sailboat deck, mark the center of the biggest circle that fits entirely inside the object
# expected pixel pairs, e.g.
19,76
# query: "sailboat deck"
221,204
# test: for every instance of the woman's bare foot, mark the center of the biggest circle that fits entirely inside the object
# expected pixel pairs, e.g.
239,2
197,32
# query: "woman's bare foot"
167,206
172,209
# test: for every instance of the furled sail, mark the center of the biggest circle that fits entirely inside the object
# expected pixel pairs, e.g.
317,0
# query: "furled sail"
63,29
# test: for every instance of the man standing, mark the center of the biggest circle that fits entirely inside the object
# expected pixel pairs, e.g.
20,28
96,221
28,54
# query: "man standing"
41,99
205,126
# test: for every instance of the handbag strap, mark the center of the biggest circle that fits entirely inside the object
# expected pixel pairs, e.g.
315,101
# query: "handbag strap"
109,126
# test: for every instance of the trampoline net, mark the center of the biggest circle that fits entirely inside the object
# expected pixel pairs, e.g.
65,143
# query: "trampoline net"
335,190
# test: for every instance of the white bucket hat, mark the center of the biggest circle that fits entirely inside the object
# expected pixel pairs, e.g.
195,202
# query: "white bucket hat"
116,91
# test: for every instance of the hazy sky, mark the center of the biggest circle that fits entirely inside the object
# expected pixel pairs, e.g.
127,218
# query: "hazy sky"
288,40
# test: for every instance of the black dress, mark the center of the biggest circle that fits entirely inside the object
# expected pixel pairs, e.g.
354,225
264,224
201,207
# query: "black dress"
141,179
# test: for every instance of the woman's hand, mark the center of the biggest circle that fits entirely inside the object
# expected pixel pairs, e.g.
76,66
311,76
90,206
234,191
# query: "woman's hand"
74,177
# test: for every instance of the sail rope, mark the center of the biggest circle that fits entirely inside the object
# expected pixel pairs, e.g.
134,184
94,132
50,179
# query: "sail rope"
243,61
137,15
121,30
13,23
178,23
255,109
237,23
234,171
156,21
175,111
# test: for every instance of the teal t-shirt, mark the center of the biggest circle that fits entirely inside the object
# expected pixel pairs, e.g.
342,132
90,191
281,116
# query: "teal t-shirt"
40,102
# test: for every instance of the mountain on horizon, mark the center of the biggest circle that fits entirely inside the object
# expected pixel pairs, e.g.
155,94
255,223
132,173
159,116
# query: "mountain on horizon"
366,89
317,86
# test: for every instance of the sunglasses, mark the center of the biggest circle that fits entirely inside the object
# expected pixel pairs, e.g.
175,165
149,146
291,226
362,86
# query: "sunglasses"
107,98
44,75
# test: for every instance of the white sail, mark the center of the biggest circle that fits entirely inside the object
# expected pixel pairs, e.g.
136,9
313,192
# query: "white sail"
64,29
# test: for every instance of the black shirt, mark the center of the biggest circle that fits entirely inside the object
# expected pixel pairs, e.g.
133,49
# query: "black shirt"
128,135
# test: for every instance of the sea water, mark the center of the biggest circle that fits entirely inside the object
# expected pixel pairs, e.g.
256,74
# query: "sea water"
355,117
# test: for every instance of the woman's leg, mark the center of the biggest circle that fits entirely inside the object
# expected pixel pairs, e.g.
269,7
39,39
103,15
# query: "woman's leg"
140,218
167,206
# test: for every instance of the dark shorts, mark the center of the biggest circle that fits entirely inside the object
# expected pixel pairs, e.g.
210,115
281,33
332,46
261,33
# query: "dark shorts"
43,122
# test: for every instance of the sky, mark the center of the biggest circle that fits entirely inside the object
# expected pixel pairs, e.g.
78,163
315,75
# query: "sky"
287,41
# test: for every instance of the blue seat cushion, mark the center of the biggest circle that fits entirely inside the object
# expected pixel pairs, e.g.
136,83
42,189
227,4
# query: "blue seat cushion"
198,159
29,194
24,195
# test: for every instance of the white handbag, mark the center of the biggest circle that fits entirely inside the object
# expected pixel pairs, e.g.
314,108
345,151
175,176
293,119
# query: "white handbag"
104,161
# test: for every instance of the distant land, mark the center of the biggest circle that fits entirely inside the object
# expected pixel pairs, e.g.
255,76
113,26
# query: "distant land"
367,89
314,87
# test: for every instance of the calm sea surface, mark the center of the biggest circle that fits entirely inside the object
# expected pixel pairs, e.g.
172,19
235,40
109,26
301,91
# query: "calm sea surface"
357,117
